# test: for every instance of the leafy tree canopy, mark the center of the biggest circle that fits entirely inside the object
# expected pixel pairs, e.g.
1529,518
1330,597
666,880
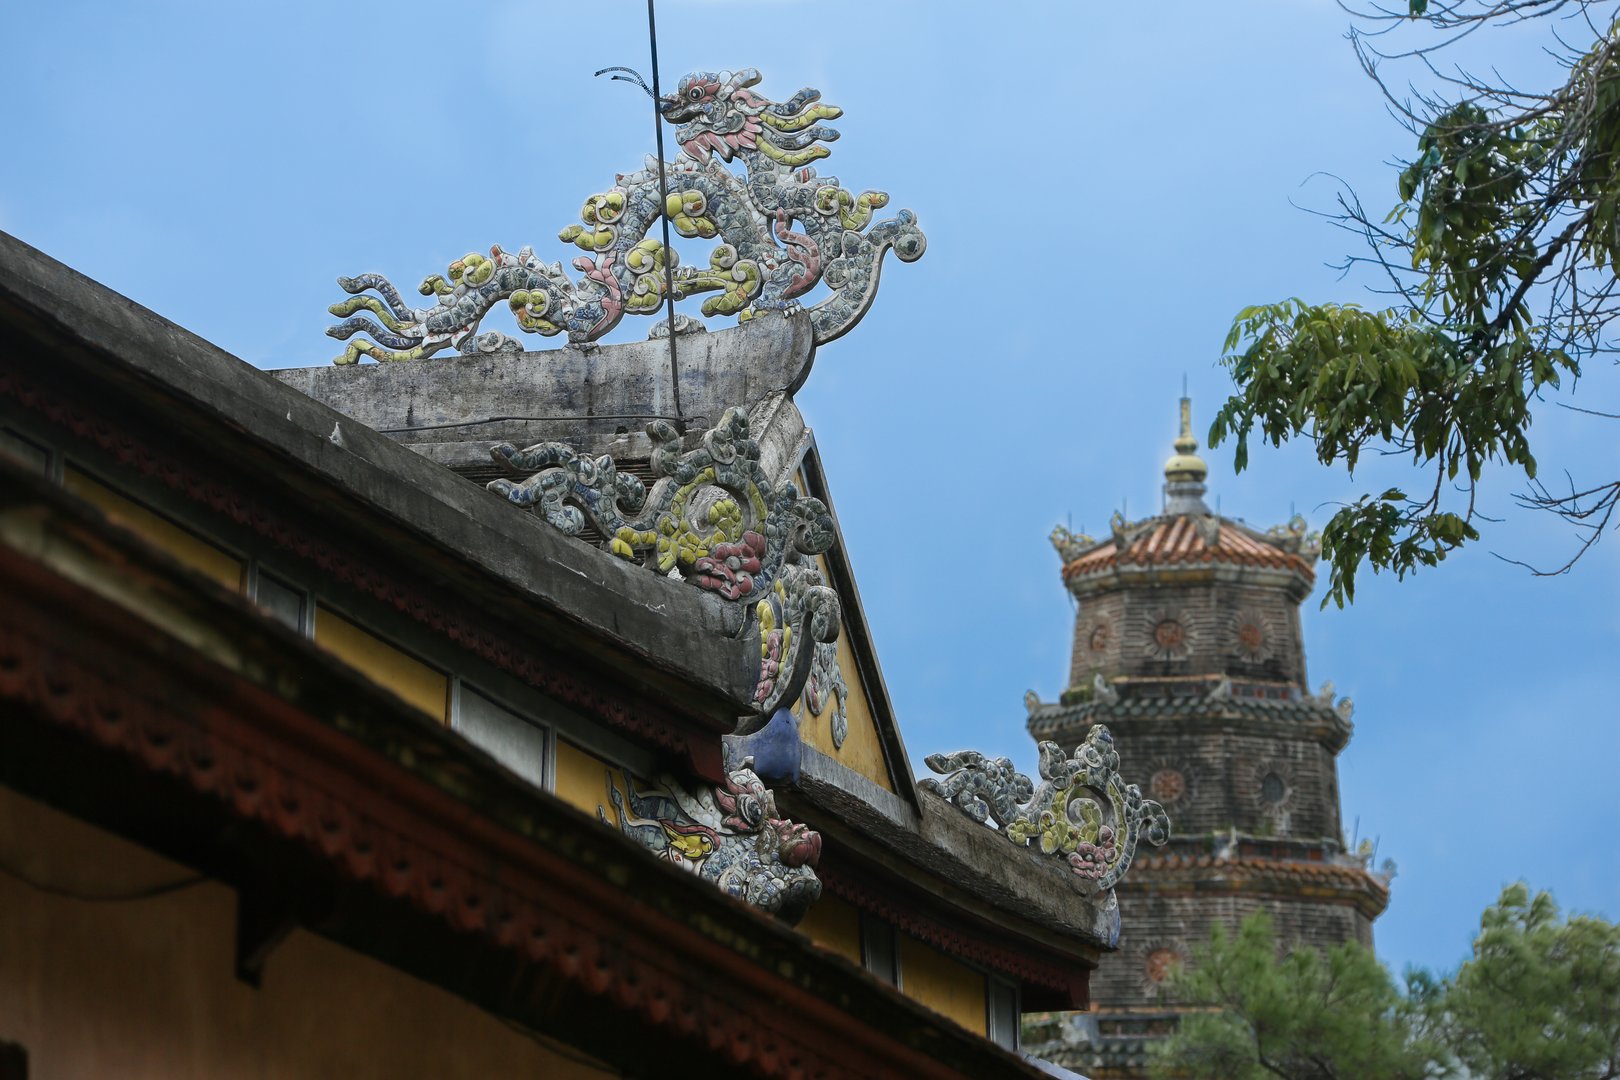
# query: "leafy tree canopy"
1313,1015
1539,999
1499,258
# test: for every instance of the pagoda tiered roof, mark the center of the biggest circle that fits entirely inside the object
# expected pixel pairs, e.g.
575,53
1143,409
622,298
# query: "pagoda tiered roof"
1269,704
1186,539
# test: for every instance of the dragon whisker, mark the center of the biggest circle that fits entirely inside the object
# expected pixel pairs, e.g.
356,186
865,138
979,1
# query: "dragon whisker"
631,76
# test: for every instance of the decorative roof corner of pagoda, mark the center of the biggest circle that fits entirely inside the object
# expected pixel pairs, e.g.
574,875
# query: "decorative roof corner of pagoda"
1194,699
1081,815
1234,866
1186,535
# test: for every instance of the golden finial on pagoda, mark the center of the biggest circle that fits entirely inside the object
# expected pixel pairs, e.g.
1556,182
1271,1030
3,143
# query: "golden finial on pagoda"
1185,466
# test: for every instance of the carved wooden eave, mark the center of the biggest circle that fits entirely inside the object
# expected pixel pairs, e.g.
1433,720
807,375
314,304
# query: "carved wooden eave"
328,803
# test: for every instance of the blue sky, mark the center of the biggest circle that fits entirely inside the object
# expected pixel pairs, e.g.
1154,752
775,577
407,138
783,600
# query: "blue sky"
1102,188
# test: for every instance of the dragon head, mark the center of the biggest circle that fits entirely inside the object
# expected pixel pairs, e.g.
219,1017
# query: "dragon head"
718,113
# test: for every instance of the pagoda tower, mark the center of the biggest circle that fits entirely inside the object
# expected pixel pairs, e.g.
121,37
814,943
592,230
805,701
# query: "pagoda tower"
1187,645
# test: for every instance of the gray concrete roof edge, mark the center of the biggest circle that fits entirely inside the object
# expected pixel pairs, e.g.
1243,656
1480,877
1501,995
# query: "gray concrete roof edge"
675,627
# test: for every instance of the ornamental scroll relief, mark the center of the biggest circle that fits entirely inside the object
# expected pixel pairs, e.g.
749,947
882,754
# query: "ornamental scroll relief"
1082,811
727,834
826,686
782,230
712,518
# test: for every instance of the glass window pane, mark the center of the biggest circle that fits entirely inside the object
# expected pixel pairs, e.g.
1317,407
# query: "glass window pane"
878,950
503,735
1004,1014
282,601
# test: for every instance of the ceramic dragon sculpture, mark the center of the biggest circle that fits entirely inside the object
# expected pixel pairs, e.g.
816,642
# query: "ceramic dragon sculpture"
781,231
1082,811
729,834
713,517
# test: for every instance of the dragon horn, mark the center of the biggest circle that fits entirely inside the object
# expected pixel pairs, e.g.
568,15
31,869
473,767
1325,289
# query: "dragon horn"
735,82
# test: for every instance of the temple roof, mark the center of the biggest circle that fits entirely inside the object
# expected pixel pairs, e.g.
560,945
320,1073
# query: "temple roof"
1186,533
1345,872
1188,538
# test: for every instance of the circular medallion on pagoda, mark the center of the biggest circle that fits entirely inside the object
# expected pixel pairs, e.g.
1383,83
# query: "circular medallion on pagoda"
1168,637
1157,961
1168,785
1161,963
1251,636
1170,781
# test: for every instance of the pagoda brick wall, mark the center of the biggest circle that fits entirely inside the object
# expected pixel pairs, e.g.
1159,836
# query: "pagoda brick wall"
1159,925
1210,776
1114,633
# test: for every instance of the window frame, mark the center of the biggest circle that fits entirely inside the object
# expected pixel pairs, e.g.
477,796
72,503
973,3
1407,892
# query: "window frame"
548,733
998,989
873,932
306,623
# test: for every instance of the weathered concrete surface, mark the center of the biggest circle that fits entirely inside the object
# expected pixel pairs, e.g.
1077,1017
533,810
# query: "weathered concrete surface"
778,426
272,438
598,399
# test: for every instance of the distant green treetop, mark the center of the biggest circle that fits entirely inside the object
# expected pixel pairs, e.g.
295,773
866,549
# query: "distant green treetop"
1539,999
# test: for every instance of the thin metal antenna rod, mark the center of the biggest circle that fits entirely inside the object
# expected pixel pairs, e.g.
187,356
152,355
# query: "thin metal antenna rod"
663,215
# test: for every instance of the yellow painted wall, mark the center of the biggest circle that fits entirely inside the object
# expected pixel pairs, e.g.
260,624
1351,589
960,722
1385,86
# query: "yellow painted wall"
188,549
145,990
581,779
834,925
412,680
862,749
933,979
